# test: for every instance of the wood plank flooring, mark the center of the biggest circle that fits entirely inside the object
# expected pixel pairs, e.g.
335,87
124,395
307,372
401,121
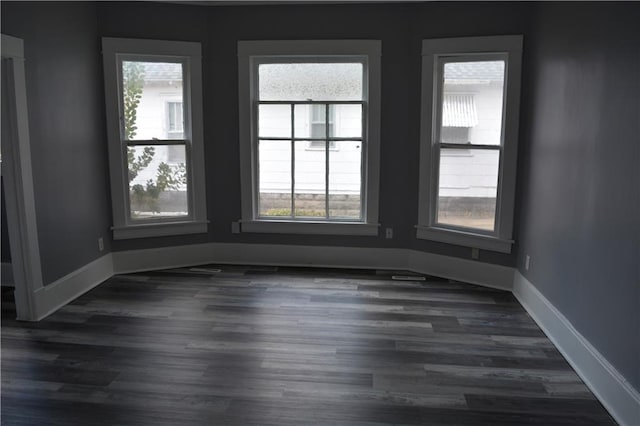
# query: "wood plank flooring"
286,346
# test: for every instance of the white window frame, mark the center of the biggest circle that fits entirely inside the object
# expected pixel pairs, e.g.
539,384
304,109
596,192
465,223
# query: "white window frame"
252,53
509,47
189,53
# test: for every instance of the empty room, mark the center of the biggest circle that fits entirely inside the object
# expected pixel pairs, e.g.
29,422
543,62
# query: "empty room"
320,212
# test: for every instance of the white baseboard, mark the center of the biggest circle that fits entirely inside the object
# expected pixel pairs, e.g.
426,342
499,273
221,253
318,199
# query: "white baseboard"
125,262
465,270
485,274
254,254
609,386
51,297
57,294
7,274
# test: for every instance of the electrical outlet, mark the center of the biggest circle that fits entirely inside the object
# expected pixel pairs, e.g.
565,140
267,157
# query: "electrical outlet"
100,244
235,227
475,253
388,233
527,261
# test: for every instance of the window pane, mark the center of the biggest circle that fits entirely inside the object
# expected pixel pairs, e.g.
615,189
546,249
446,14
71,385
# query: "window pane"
148,90
309,81
275,178
472,102
345,180
157,181
274,121
309,181
347,121
468,187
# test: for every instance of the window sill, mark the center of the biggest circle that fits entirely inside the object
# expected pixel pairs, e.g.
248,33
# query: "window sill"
317,228
462,238
148,230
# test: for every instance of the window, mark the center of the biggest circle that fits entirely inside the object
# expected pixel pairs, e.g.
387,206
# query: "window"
321,126
175,120
154,119
469,130
309,128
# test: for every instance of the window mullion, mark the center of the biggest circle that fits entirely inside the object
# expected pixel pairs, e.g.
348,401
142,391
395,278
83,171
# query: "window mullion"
326,167
308,102
158,142
293,162
337,139
468,146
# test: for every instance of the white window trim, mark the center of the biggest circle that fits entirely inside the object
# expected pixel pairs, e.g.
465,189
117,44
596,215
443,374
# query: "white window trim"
427,228
247,90
196,222
17,172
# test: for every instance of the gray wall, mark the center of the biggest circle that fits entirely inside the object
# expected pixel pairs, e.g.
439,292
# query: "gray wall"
66,118
5,251
400,27
580,172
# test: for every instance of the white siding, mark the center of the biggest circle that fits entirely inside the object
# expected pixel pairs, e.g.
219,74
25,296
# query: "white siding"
473,173
461,175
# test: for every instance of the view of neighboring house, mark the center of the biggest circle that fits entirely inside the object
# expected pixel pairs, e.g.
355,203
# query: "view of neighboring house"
471,113
159,115
472,102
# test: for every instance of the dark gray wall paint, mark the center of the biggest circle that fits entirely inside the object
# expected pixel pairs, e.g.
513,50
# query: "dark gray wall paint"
66,121
580,172
400,27
5,251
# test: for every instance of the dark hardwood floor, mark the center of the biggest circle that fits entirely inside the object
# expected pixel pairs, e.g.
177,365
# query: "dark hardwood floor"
284,346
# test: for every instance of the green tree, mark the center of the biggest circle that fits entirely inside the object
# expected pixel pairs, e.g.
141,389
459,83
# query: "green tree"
133,83
168,177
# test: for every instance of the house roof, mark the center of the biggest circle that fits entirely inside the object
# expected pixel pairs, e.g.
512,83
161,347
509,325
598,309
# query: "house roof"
162,71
